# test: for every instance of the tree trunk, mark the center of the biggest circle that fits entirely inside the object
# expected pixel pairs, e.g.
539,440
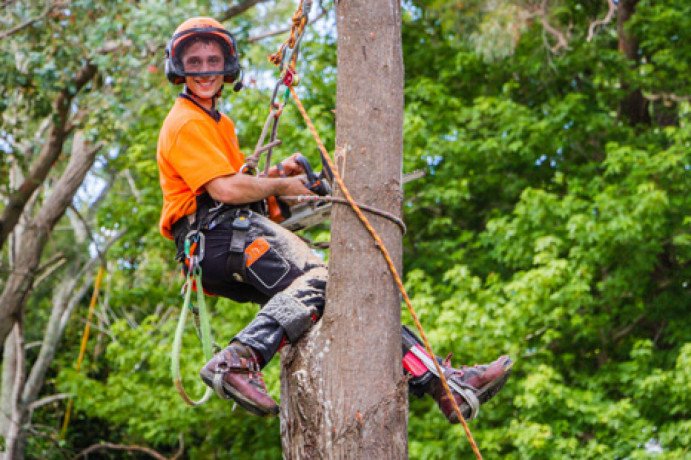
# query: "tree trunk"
9,371
50,152
36,234
16,418
634,107
343,393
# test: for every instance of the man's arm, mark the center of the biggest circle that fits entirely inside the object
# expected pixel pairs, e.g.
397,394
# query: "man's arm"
243,188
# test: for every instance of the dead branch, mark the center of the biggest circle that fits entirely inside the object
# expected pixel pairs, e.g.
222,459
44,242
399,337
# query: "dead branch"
49,267
133,187
48,400
46,11
89,232
541,13
562,42
602,22
128,448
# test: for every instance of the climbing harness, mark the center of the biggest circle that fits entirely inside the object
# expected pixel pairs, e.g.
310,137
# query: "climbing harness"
194,254
286,58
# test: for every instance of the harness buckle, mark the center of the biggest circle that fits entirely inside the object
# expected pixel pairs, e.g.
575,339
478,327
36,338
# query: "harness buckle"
242,220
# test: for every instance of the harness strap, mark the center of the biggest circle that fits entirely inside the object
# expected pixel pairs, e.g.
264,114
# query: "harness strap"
195,275
235,264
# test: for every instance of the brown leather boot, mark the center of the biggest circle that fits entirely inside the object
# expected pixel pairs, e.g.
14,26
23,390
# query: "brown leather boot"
235,373
470,386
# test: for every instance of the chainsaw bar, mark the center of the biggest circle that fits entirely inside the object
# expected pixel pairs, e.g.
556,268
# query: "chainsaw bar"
309,214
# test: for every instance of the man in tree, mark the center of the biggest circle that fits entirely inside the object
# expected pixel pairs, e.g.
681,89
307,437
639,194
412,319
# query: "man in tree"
247,256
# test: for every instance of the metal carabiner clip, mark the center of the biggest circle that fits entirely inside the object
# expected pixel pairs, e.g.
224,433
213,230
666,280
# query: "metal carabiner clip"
200,240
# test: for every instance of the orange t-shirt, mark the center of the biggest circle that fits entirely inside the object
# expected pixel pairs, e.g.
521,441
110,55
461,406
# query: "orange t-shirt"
193,148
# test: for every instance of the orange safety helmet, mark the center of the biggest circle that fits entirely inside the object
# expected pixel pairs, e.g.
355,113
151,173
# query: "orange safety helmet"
202,27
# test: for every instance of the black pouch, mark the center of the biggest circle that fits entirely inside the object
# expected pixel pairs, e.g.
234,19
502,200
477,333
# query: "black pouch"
266,268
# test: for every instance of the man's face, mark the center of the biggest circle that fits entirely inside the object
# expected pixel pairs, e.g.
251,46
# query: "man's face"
204,57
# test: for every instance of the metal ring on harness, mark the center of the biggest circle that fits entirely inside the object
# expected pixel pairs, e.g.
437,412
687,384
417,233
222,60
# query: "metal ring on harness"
200,245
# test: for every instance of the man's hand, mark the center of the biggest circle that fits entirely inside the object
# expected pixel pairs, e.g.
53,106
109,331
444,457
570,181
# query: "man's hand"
243,188
287,168
294,186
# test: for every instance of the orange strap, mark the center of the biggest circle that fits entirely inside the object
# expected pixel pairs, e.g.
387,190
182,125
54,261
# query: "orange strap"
389,262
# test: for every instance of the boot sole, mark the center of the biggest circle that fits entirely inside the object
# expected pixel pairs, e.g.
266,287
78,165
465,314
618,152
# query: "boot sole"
239,398
484,394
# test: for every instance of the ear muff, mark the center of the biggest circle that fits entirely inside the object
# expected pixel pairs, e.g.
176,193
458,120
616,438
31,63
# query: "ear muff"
173,67
239,83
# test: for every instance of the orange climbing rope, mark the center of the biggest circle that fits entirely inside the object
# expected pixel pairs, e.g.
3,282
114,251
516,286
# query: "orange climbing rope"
299,21
389,262
289,50
85,339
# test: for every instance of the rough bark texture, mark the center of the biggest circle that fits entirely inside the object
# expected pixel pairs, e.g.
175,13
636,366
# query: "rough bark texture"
342,392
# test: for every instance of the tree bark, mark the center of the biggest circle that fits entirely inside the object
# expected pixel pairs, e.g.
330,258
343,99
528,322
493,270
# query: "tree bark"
9,371
36,234
49,152
13,444
342,387
634,107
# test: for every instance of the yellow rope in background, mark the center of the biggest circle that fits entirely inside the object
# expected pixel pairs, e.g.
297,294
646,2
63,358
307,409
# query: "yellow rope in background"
85,339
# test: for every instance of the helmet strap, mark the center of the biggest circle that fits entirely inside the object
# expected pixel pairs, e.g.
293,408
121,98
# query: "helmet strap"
189,95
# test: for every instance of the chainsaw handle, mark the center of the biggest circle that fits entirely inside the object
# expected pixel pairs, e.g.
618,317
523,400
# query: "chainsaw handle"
307,167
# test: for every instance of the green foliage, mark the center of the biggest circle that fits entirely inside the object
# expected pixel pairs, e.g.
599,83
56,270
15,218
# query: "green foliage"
547,226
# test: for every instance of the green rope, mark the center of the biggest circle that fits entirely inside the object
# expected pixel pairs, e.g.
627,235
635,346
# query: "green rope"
204,334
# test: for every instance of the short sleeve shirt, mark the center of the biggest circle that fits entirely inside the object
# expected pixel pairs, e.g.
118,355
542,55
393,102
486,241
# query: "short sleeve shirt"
193,148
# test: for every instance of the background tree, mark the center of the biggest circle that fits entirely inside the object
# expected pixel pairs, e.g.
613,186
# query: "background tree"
549,225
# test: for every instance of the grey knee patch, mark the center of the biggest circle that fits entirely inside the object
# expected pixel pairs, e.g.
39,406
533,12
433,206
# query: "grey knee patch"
291,314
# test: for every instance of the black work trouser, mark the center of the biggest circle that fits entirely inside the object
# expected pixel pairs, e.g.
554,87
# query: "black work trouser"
288,272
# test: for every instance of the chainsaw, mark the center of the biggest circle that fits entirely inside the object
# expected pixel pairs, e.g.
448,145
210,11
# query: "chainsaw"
310,213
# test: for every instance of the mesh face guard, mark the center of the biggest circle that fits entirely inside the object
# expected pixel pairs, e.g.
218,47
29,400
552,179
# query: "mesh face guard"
174,69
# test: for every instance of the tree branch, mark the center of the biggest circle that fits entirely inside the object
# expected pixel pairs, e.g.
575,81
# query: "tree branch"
49,153
48,400
238,9
562,42
601,22
283,30
129,448
626,330
46,10
19,283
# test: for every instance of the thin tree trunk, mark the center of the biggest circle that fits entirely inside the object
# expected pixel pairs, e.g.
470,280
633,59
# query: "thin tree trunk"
634,107
13,437
342,391
36,234
9,371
